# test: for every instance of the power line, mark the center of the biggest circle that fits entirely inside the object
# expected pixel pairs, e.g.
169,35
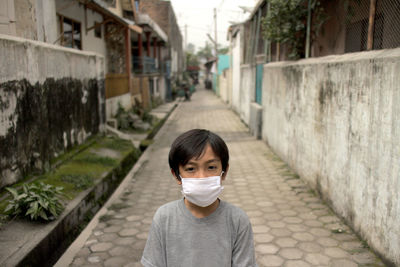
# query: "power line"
204,29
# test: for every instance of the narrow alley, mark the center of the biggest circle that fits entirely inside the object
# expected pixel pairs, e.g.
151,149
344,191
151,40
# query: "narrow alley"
291,225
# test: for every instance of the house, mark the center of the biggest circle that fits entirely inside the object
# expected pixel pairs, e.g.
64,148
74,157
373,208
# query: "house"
97,28
138,58
163,14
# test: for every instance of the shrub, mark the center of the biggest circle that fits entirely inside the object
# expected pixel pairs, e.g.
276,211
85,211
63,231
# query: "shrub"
36,201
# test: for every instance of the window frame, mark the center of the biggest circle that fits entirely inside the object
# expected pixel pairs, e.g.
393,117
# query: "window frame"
62,33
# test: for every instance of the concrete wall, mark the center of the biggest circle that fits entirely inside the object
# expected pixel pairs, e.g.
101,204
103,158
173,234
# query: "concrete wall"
46,21
336,122
247,92
51,98
223,86
236,51
113,104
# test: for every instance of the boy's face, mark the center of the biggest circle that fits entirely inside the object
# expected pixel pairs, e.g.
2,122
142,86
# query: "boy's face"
207,165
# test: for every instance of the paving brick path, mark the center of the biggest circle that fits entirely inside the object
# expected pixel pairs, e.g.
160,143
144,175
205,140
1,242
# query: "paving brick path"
292,227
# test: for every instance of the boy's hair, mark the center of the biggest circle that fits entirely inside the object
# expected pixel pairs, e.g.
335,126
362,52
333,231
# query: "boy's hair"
191,144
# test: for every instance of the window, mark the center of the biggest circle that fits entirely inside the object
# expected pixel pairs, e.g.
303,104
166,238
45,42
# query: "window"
97,30
70,33
128,14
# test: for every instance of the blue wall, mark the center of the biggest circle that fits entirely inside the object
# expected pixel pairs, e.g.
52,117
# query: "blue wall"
223,63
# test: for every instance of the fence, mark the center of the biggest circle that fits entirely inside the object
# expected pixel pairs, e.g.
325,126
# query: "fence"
372,25
350,26
144,65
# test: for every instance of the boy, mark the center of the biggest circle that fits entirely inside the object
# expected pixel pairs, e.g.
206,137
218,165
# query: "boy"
200,229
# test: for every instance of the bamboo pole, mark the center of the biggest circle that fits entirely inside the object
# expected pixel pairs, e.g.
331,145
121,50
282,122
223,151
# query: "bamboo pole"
308,30
372,11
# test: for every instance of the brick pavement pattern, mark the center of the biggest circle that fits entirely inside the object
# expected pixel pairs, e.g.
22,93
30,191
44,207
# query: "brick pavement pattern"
292,226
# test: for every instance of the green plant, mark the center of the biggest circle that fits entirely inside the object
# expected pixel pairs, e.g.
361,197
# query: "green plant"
36,201
3,219
285,22
120,109
147,117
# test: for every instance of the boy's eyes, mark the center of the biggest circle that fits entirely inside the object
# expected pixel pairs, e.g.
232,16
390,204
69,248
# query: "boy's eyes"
192,169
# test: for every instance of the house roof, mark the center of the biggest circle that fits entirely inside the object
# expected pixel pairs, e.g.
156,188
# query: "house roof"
256,7
102,7
145,19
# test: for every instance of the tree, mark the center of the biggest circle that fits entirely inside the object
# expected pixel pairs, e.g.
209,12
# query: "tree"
191,48
223,50
191,59
206,52
285,22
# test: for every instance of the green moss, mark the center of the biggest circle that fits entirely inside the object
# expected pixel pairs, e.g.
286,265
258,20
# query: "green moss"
83,168
114,143
95,159
73,151
78,180
145,143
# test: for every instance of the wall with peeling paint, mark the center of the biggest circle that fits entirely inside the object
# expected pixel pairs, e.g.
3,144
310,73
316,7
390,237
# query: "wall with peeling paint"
247,92
51,98
336,121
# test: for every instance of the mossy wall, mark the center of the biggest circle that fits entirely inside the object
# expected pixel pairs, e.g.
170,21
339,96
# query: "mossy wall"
51,98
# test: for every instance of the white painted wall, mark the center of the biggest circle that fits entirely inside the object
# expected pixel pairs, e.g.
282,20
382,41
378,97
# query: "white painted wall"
224,85
36,61
7,17
113,103
161,87
247,88
174,61
46,21
236,73
336,121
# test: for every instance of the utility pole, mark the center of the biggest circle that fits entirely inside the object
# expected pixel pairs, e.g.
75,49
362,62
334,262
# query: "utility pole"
185,49
186,37
216,40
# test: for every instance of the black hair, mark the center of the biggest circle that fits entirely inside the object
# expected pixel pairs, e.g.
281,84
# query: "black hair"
192,144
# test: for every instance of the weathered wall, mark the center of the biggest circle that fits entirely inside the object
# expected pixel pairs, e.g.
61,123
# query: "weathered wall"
113,104
46,21
336,122
247,88
51,98
223,81
236,48
26,19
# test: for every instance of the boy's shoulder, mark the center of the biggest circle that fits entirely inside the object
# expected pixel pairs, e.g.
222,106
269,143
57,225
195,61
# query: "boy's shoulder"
235,212
167,209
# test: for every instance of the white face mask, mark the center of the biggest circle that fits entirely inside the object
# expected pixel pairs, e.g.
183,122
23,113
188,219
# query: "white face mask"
202,191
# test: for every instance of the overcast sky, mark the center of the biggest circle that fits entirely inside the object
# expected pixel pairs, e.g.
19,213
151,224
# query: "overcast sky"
198,15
